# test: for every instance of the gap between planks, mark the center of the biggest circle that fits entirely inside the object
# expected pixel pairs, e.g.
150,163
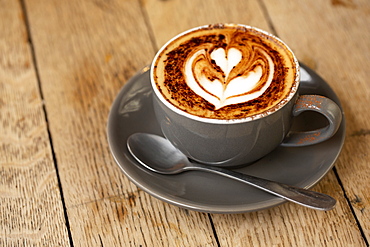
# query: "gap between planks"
34,61
351,207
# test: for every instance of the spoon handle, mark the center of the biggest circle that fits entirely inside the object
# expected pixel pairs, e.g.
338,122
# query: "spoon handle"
307,198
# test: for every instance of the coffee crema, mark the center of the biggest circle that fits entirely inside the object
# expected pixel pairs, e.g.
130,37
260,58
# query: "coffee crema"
226,71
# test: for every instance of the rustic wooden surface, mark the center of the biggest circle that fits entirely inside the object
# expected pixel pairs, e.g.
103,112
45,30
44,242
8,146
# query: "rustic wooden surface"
63,62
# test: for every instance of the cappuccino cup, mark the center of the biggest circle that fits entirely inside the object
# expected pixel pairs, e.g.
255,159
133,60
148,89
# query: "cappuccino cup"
226,95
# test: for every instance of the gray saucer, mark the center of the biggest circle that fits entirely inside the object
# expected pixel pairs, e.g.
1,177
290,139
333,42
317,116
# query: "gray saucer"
132,112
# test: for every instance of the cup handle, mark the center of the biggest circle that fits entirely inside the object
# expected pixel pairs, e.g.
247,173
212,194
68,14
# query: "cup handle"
319,104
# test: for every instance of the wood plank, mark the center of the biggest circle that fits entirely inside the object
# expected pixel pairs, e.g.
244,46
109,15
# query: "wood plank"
287,224
137,219
341,55
97,47
31,210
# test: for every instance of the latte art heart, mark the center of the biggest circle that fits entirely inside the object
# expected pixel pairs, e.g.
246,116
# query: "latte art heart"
213,81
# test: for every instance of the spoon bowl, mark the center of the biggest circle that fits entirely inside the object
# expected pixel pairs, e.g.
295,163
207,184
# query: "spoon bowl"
159,155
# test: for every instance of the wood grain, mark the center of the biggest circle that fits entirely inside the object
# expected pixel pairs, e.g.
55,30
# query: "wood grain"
31,210
97,47
85,51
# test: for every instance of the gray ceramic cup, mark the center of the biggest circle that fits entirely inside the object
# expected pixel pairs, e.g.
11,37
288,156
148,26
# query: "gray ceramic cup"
232,143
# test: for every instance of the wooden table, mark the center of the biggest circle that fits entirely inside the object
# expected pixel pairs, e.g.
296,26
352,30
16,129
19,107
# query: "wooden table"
62,64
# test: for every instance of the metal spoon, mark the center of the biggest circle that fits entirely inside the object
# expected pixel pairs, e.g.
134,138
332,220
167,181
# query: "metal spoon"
159,155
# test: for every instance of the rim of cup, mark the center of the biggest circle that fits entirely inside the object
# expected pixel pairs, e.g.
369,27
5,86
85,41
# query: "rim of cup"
274,109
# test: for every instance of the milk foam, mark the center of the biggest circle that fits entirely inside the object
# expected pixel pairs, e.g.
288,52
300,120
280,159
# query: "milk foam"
226,91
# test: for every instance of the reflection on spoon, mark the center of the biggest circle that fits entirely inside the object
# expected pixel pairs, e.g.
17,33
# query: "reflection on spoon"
159,155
